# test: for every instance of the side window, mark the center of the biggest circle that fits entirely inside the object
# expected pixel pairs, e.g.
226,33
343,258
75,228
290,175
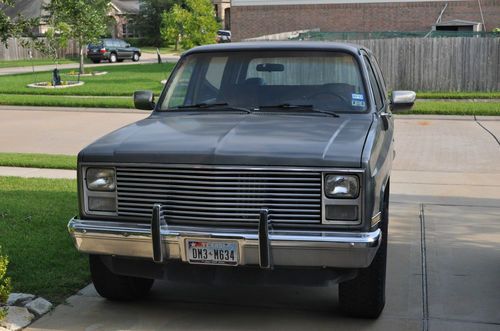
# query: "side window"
375,85
177,96
383,86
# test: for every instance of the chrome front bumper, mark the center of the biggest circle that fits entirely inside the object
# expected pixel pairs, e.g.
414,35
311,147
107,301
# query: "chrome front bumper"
285,248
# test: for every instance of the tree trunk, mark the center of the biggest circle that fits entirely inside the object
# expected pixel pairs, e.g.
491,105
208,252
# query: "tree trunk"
177,43
82,54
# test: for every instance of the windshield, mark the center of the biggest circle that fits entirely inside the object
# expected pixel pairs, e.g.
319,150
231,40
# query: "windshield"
263,79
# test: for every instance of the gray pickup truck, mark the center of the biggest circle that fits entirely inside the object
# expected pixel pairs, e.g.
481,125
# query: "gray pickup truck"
260,163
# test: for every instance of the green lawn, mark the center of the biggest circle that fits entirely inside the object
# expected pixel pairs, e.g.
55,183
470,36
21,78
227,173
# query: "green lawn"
33,218
121,80
163,50
38,160
456,108
458,95
65,101
36,62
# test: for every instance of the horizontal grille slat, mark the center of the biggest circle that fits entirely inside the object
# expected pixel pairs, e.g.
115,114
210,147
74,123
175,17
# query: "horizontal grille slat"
134,192
150,202
219,195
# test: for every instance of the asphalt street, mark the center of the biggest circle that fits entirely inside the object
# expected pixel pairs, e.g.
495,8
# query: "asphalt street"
444,241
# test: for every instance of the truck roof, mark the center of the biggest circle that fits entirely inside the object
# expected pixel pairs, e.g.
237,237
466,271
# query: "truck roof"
278,45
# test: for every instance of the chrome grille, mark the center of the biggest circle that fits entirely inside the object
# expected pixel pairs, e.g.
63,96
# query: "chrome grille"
191,195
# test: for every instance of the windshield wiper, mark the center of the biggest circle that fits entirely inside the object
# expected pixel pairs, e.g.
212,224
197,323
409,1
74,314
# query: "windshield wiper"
220,105
299,107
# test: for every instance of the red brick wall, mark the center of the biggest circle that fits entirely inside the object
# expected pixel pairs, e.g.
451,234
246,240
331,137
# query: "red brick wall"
254,21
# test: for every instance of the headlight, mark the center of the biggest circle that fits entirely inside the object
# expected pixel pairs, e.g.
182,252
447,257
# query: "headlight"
341,186
100,179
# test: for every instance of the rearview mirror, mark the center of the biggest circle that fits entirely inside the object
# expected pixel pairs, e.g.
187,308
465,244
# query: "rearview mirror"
402,100
144,100
269,67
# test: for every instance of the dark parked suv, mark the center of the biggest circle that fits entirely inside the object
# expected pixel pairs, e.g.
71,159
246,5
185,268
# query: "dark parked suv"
112,50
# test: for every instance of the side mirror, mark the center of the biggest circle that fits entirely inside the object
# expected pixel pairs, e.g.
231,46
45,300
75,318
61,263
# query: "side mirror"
402,100
144,100
127,45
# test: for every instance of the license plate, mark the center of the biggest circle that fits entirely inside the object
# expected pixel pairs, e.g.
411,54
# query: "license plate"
212,252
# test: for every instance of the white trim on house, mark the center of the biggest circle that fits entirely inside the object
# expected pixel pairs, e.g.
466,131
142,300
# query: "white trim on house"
318,2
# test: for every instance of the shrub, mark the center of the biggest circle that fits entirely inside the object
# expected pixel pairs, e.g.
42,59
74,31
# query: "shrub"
5,286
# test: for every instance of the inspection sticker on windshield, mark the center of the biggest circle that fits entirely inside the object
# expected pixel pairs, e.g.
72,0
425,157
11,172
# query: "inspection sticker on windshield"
356,96
358,100
212,252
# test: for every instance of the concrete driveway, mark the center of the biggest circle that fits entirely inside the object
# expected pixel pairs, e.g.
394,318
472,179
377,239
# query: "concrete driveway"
444,245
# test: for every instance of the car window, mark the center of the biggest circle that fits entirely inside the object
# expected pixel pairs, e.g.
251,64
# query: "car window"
255,79
177,93
215,71
374,83
340,68
380,76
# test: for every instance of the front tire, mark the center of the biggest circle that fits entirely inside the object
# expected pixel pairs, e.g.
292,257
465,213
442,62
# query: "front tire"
112,58
117,287
364,296
135,57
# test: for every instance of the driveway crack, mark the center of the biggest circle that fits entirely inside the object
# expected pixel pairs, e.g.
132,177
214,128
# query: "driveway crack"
423,255
491,133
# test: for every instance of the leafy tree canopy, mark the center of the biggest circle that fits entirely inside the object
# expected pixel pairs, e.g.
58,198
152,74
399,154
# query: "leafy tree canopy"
84,20
150,19
190,26
10,28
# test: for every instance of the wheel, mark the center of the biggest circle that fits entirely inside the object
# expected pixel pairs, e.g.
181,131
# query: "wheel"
96,61
112,58
117,287
364,296
135,57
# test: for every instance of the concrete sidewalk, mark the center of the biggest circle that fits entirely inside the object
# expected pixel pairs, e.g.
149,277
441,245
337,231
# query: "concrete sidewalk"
37,172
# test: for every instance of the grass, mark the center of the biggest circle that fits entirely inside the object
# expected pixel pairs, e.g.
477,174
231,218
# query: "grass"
65,101
456,108
33,218
458,95
121,80
38,160
36,62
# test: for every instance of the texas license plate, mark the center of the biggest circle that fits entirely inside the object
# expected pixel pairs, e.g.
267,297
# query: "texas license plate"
212,252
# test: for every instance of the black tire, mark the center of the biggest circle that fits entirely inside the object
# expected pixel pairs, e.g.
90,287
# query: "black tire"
364,296
117,287
135,57
112,58
96,61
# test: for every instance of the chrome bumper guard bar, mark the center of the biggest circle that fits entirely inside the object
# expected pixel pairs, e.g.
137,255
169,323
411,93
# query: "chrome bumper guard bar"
264,246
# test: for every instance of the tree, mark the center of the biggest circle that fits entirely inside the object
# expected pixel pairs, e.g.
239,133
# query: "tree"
150,19
5,286
190,26
85,21
10,28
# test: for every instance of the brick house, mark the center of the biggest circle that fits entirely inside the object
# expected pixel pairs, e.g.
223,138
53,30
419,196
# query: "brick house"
118,13
254,18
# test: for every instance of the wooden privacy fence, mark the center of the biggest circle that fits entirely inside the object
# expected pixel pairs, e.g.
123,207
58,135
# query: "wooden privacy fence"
422,64
16,51
438,64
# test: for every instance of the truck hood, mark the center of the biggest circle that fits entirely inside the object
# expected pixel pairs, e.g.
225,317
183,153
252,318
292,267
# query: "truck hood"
225,138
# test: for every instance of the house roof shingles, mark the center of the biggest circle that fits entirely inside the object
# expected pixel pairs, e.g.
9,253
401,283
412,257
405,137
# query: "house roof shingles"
34,8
